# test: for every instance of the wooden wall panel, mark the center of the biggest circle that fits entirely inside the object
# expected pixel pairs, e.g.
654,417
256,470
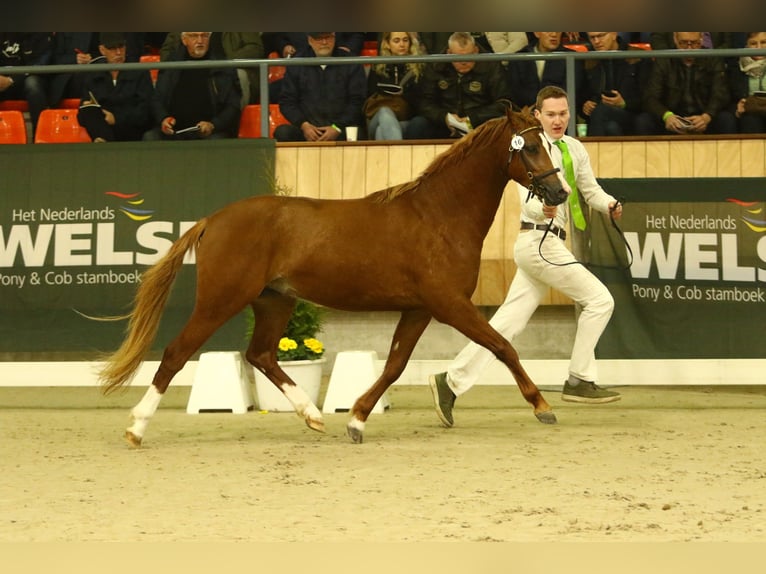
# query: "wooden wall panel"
353,170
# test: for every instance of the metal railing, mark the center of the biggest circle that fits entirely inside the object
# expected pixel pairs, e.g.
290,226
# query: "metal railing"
264,64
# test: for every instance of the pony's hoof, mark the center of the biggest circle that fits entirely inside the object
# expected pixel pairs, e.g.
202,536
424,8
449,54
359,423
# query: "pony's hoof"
546,417
133,440
355,434
315,424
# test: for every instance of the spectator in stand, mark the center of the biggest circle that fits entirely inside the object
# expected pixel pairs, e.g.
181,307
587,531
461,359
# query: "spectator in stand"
456,97
24,49
747,79
527,77
115,103
686,95
320,101
205,101
81,48
612,89
393,88
233,46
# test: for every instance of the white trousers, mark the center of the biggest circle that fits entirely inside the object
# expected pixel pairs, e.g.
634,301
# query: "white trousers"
530,284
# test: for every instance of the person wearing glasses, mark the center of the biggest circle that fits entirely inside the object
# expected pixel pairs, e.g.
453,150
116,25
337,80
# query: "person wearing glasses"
686,95
195,103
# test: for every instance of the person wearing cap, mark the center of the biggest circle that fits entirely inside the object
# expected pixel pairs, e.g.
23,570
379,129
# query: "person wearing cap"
24,49
195,103
320,101
115,104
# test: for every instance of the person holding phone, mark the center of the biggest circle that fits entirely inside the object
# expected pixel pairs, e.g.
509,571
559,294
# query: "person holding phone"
611,97
686,95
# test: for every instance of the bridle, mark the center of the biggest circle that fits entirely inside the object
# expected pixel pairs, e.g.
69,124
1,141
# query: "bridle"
518,144
536,189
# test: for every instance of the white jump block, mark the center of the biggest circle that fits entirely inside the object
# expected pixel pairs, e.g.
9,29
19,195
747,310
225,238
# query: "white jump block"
220,385
352,374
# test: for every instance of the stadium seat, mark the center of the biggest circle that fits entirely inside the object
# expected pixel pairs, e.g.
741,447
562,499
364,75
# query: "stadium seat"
60,126
13,129
151,58
577,47
20,105
275,72
641,45
69,104
250,120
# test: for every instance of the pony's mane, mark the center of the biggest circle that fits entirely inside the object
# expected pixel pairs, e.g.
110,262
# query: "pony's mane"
492,129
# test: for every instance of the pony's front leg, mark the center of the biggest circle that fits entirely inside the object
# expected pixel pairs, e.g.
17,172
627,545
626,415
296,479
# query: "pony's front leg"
304,407
140,416
411,325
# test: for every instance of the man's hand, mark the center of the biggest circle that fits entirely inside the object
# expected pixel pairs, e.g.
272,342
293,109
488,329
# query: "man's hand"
5,83
549,211
206,128
615,208
167,126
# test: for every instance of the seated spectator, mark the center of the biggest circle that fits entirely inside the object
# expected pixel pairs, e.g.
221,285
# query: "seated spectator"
115,103
456,97
393,88
24,49
320,101
527,77
233,46
686,95
207,100
81,48
747,80
611,89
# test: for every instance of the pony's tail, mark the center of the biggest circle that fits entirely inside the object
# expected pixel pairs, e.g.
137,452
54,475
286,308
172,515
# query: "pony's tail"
150,299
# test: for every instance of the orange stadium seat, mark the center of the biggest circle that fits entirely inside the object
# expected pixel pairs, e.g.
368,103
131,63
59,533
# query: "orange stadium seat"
577,47
13,129
60,126
275,72
69,104
250,120
151,58
20,105
641,45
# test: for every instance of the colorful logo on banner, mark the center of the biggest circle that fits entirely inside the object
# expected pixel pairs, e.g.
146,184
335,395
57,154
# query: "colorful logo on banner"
753,208
131,206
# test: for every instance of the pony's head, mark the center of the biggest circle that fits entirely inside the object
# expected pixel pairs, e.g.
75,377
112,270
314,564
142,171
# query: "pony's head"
529,162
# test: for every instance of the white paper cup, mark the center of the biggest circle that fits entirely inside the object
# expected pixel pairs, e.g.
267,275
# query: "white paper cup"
352,132
582,130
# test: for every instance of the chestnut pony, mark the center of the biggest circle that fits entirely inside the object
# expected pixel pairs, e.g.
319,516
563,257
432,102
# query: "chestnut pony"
413,248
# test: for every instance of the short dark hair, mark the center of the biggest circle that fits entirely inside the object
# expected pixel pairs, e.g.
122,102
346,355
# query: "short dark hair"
549,92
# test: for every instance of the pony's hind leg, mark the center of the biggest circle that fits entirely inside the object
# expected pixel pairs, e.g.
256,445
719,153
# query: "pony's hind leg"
198,329
408,331
271,312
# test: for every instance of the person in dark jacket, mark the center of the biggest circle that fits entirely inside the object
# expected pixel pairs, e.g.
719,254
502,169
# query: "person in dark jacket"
612,88
24,49
115,103
205,101
527,77
457,97
747,81
686,95
321,101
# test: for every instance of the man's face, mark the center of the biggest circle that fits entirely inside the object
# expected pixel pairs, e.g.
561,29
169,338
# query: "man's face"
688,41
554,117
197,43
323,45
548,41
603,41
113,54
458,50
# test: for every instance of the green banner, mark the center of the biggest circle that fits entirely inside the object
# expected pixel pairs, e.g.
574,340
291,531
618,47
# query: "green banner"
696,287
80,223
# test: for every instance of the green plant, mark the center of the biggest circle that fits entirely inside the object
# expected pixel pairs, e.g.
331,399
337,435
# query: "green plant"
298,342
